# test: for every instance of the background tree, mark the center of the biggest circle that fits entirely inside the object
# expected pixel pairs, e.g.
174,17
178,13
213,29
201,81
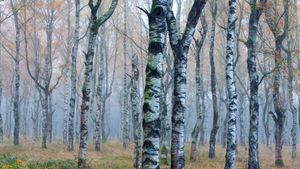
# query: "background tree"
212,140
199,89
94,25
256,11
73,97
16,59
125,84
136,117
272,18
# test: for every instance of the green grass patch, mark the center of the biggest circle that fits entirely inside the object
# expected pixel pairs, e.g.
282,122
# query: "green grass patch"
12,162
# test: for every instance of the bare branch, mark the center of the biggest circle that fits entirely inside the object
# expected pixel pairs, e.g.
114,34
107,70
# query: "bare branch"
274,116
130,38
144,10
108,14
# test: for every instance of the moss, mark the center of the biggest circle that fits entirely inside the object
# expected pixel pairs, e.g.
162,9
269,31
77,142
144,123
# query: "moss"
279,163
164,156
194,132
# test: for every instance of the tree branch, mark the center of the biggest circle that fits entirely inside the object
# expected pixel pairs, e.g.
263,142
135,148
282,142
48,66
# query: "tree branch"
274,116
110,11
143,10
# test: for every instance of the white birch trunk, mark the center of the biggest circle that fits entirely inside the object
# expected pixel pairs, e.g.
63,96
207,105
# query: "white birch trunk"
16,104
231,89
95,22
152,92
136,115
73,77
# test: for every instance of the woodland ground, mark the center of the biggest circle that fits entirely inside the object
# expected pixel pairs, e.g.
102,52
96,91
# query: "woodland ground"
113,156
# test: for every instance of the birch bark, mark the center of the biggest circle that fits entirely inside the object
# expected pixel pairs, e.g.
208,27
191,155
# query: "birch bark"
199,90
152,92
73,77
231,89
180,48
16,92
136,115
253,157
95,23
213,81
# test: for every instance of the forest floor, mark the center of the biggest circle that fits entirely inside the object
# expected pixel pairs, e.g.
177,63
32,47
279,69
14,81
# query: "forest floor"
113,156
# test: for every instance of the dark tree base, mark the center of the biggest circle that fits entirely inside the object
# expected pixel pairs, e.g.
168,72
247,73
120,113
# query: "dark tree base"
279,163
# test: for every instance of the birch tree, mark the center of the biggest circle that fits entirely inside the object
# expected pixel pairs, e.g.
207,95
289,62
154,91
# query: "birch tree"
44,83
241,93
256,11
66,82
73,77
125,84
152,92
51,112
199,83
298,64
136,115
213,81
1,89
165,124
292,108
279,33
94,24
36,60
268,99
66,106
16,58
231,89
290,86
167,84
108,85
203,107
99,90
1,119
180,48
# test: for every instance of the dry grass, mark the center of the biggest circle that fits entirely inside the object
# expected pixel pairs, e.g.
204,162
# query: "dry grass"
113,156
